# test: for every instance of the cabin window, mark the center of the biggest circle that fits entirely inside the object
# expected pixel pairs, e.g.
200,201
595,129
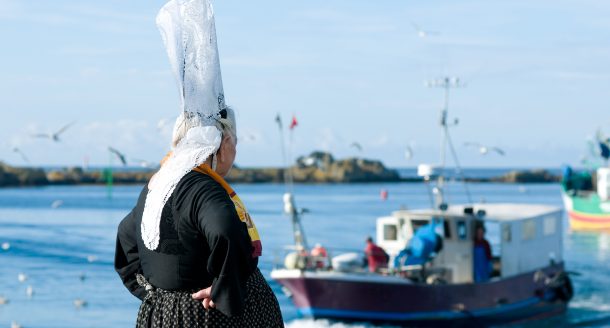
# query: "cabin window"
416,224
529,229
447,229
390,232
506,233
550,224
462,232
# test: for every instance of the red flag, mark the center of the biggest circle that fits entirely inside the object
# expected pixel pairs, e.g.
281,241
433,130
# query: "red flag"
294,122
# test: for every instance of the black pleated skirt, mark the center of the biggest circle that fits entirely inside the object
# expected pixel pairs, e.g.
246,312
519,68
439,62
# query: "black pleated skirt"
171,309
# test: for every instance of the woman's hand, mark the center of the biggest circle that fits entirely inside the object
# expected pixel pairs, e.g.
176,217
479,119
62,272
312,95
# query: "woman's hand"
206,296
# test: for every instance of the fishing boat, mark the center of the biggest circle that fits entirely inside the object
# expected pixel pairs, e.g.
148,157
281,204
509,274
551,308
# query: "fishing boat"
586,198
586,193
436,285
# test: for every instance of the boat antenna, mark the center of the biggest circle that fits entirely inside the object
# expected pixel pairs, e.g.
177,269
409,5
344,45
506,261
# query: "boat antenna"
290,207
447,83
288,179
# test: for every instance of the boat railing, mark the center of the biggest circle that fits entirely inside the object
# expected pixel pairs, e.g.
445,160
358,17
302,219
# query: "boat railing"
292,257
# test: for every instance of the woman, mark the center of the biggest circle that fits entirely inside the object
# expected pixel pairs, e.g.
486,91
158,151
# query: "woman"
204,247
189,249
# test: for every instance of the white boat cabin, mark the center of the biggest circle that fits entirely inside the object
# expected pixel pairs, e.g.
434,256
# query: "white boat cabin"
603,183
525,238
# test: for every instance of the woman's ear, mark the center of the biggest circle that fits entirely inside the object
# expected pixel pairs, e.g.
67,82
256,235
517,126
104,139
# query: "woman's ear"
224,147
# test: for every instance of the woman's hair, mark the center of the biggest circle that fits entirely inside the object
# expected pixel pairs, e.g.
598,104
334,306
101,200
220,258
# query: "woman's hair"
188,120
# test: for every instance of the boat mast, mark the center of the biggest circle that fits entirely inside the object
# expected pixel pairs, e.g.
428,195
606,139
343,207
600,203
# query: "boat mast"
290,207
447,83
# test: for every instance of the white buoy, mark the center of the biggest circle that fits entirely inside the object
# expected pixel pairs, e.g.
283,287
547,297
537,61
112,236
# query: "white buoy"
29,291
6,246
91,258
3,300
14,324
22,277
79,303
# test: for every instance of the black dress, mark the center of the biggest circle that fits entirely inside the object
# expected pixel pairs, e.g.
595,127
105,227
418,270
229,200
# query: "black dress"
202,243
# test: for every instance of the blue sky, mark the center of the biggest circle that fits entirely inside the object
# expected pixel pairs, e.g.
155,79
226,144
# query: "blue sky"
537,75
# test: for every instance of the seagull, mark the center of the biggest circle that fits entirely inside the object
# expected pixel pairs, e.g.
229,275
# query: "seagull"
484,150
6,246
356,145
3,300
57,203
29,291
53,136
14,324
91,258
119,155
422,33
409,153
18,151
22,277
79,303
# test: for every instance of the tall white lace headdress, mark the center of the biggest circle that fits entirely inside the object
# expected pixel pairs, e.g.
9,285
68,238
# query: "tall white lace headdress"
189,33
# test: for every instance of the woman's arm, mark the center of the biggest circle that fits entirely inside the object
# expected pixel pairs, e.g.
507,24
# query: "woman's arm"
230,260
126,257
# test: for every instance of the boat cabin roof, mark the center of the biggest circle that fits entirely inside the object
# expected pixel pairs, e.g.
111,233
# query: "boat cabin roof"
498,212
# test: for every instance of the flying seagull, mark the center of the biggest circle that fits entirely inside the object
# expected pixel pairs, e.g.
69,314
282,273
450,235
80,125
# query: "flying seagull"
423,33
484,150
18,151
119,155
356,145
409,153
53,136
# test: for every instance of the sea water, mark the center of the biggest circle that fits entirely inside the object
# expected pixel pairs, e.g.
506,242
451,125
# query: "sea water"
66,253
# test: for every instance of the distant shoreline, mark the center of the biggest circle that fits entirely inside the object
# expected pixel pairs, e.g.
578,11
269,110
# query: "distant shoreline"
32,177
315,168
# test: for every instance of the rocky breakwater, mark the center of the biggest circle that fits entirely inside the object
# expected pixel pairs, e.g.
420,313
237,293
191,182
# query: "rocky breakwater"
22,176
13,176
521,176
76,175
320,167
529,176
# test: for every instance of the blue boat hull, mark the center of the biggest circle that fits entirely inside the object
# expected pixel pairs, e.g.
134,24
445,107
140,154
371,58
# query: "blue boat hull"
516,299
